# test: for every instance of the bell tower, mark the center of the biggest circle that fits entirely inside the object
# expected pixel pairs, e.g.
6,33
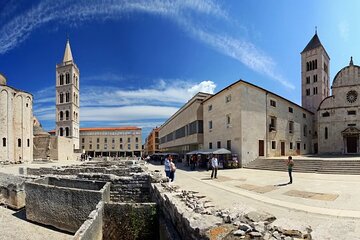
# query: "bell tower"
68,98
315,68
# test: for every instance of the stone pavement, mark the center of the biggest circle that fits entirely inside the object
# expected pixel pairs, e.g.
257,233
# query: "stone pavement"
328,203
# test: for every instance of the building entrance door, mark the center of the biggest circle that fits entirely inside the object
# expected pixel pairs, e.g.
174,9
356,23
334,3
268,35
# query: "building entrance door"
351,144
261,148
282,148
298,148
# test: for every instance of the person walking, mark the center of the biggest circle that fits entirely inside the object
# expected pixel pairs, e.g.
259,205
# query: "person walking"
167,165
214,165
172,169
290,165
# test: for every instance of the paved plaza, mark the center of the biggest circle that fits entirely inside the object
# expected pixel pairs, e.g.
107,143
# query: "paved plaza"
327,203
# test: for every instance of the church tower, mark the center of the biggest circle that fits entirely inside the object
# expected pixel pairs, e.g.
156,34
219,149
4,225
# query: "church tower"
67,98
315,67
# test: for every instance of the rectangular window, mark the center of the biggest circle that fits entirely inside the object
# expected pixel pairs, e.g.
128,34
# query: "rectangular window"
291,127
210,125
209,108
307,80
352,112
291,110
136,139
272,126
137,146
228,119
308,92
291,145
28,142
210,145
113,140
121,140
97,146
105,140
352,125
129,140
304,115
272,103
228,98
98,140
304,146
326,114
105,146
121,146
129,146
305,130
4,142
83,140
228,145
90,146
19,142
219,144
273,144
112,147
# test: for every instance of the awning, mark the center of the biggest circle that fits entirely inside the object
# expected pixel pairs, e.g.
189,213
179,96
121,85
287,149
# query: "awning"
221,151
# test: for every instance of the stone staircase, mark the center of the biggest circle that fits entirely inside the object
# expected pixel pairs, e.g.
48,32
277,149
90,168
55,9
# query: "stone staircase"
348,167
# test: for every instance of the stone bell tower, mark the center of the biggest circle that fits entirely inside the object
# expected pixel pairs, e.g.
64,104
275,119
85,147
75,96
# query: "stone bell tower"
68,98
315,68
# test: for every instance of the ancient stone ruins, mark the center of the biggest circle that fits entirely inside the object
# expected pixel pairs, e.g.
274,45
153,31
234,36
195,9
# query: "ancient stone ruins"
123,200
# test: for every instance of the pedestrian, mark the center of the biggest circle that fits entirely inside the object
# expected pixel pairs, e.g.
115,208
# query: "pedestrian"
290,165
214,165
172,169
167,165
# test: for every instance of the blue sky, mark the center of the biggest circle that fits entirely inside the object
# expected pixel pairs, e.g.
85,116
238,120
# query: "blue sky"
140,60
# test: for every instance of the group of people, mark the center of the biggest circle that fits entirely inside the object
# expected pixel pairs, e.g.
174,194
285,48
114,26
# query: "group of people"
170,167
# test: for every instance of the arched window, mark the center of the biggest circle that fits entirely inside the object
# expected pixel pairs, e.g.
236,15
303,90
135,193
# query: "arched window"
4,142
315,63
307,66
61,132
77,100
67,97
326,133
61,79
67,131
67,115
67,78
61,97
19,142
76,81
61,116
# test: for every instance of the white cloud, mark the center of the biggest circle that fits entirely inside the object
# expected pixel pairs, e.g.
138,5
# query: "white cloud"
343,28
179,11
156,102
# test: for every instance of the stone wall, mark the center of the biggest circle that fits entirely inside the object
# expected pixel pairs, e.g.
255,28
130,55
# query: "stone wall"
130,221
12,191
63,207
134,188
92,228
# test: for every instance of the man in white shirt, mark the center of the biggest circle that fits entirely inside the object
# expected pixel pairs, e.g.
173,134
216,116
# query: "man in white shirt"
214,165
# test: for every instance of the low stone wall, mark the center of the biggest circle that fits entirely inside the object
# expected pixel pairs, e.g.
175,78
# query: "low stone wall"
12,191
130,221
133,188
189,224
74,170
92,228
60,206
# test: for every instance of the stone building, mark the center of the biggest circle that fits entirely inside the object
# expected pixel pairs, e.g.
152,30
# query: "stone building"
151,145
338,114
253,122
16,123
111,141
183,131
68,98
